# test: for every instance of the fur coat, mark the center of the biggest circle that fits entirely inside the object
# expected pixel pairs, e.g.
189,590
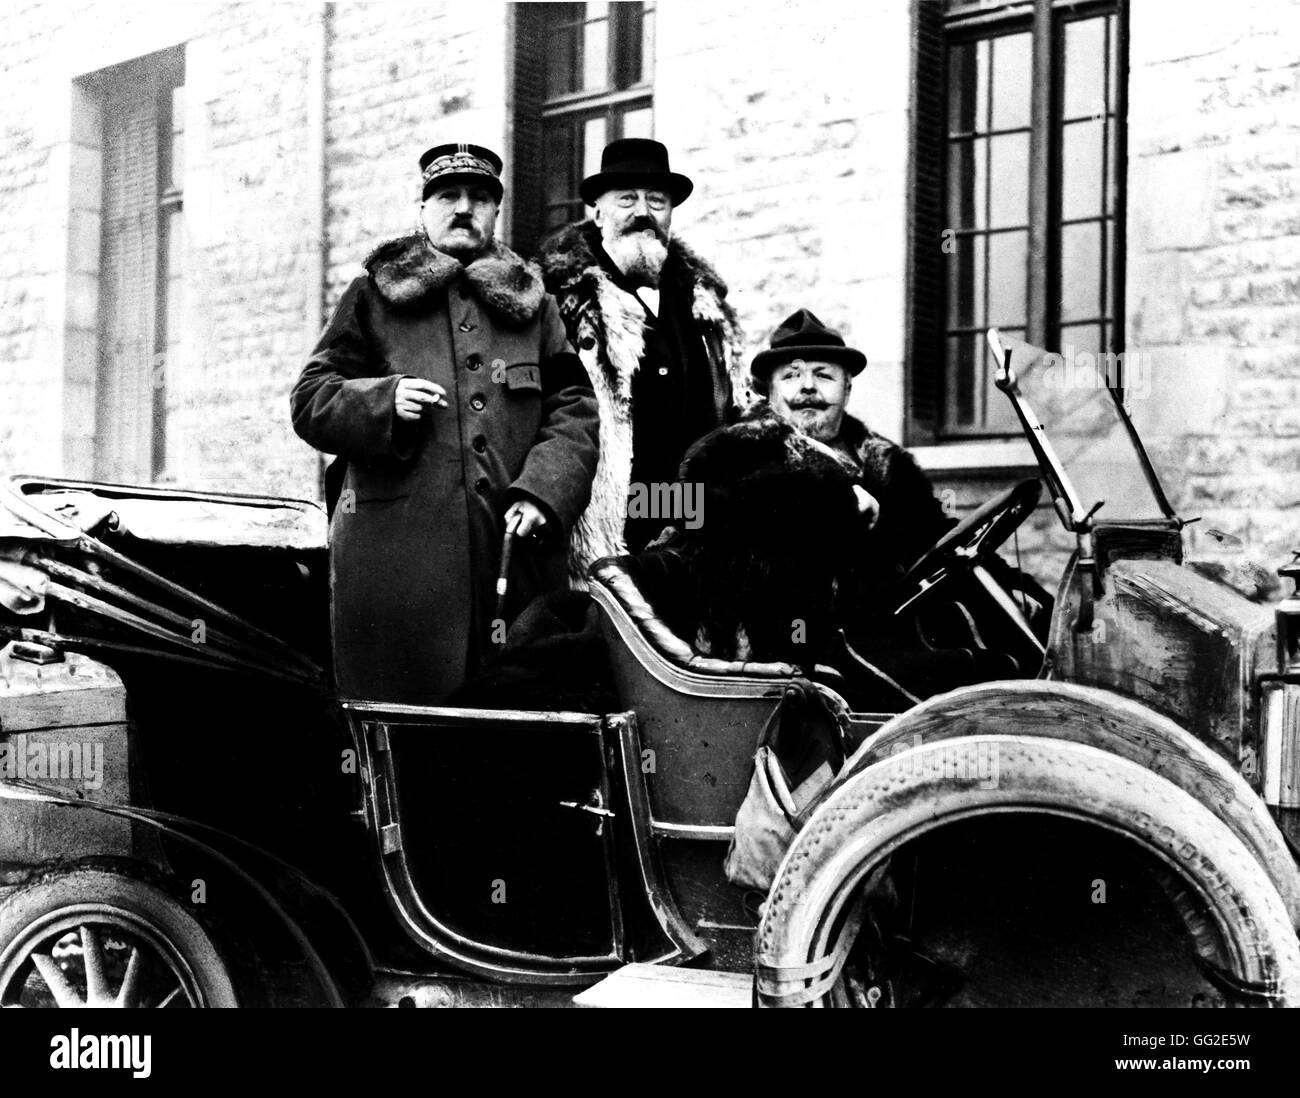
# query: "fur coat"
758,578
606,325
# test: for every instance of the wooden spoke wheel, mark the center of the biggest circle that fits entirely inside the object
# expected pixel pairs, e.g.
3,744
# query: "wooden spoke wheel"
99,938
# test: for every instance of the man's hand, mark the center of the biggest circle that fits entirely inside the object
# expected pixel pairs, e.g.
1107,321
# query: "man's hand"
868,506
414,395
525,519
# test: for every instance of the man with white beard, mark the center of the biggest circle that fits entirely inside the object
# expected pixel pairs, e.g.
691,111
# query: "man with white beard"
650,321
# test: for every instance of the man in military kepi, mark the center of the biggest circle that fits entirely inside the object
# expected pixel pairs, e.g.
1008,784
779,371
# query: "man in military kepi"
447,387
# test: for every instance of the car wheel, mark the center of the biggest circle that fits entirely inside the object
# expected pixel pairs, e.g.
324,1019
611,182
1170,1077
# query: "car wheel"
813,915
100,937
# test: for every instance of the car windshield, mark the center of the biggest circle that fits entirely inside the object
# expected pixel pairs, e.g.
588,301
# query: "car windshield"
1084,427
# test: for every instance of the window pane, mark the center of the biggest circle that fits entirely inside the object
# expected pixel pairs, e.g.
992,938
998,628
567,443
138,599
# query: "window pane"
965,103
595,48
561,61
1085,68
966,190
1111,267
1009,180
559,165
966,282
1081,170
1112,163
1008,272
1080,271
1078,339
1112,35
638,123
1011,81
593,144
961,366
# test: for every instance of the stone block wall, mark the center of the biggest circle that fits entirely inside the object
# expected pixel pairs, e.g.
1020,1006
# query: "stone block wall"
303,122
1214,266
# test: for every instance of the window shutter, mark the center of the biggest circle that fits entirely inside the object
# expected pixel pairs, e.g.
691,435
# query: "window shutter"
925,254
529,88
124,397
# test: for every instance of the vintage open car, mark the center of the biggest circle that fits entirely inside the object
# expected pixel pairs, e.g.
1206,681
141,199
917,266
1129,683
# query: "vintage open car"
189,815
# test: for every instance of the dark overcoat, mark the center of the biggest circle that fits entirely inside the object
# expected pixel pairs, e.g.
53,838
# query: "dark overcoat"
415,536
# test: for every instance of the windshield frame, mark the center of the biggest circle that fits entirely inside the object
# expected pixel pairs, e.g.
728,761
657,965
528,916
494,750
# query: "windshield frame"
1074,514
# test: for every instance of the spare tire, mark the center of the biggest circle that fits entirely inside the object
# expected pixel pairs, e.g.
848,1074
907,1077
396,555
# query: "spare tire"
810,912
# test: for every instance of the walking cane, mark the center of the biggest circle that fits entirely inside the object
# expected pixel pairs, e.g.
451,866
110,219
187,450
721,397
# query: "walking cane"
503,577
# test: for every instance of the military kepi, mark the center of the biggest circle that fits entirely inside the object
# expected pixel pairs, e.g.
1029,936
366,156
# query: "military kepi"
461,163
802,335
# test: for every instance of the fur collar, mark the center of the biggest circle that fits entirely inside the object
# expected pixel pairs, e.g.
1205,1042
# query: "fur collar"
872,453
875,454
570,260
408,270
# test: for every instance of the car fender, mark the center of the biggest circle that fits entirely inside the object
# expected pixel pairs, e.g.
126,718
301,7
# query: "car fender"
811,916
1100,719
335,951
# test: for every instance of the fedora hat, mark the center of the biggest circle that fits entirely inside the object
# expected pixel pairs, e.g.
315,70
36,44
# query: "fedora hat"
635,162
802,335
472,163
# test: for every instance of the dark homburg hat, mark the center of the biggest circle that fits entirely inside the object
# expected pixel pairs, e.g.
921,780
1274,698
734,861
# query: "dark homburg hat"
460,161
635,162
802,335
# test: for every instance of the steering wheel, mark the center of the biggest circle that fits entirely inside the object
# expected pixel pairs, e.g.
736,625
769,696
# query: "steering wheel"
962,547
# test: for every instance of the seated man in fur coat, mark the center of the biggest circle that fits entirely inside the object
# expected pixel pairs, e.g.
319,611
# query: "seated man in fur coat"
810,522
650,321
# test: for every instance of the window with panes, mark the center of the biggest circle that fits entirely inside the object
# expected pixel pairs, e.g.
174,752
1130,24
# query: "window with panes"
1018,188
583,78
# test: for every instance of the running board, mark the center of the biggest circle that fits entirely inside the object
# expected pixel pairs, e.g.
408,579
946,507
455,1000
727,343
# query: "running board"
661,986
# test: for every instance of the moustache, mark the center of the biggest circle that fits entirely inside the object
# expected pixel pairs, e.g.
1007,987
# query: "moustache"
819,405
639,224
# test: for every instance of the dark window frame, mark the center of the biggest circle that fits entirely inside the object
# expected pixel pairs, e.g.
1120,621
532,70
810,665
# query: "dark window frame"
936,29
539,116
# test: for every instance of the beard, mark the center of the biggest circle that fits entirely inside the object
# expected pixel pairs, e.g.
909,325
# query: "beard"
640,257
821,422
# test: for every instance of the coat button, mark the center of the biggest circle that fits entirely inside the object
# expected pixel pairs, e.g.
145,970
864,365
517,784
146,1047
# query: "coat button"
663,371
479,444
482,485
477,403
467,326
587,342
474,361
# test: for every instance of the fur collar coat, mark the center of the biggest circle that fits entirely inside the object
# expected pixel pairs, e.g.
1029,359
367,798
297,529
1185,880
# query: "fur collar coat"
408,271
415,542
606,325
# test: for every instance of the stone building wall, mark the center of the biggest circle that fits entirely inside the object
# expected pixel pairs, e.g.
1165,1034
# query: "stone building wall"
1214,267
798,147
303,122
